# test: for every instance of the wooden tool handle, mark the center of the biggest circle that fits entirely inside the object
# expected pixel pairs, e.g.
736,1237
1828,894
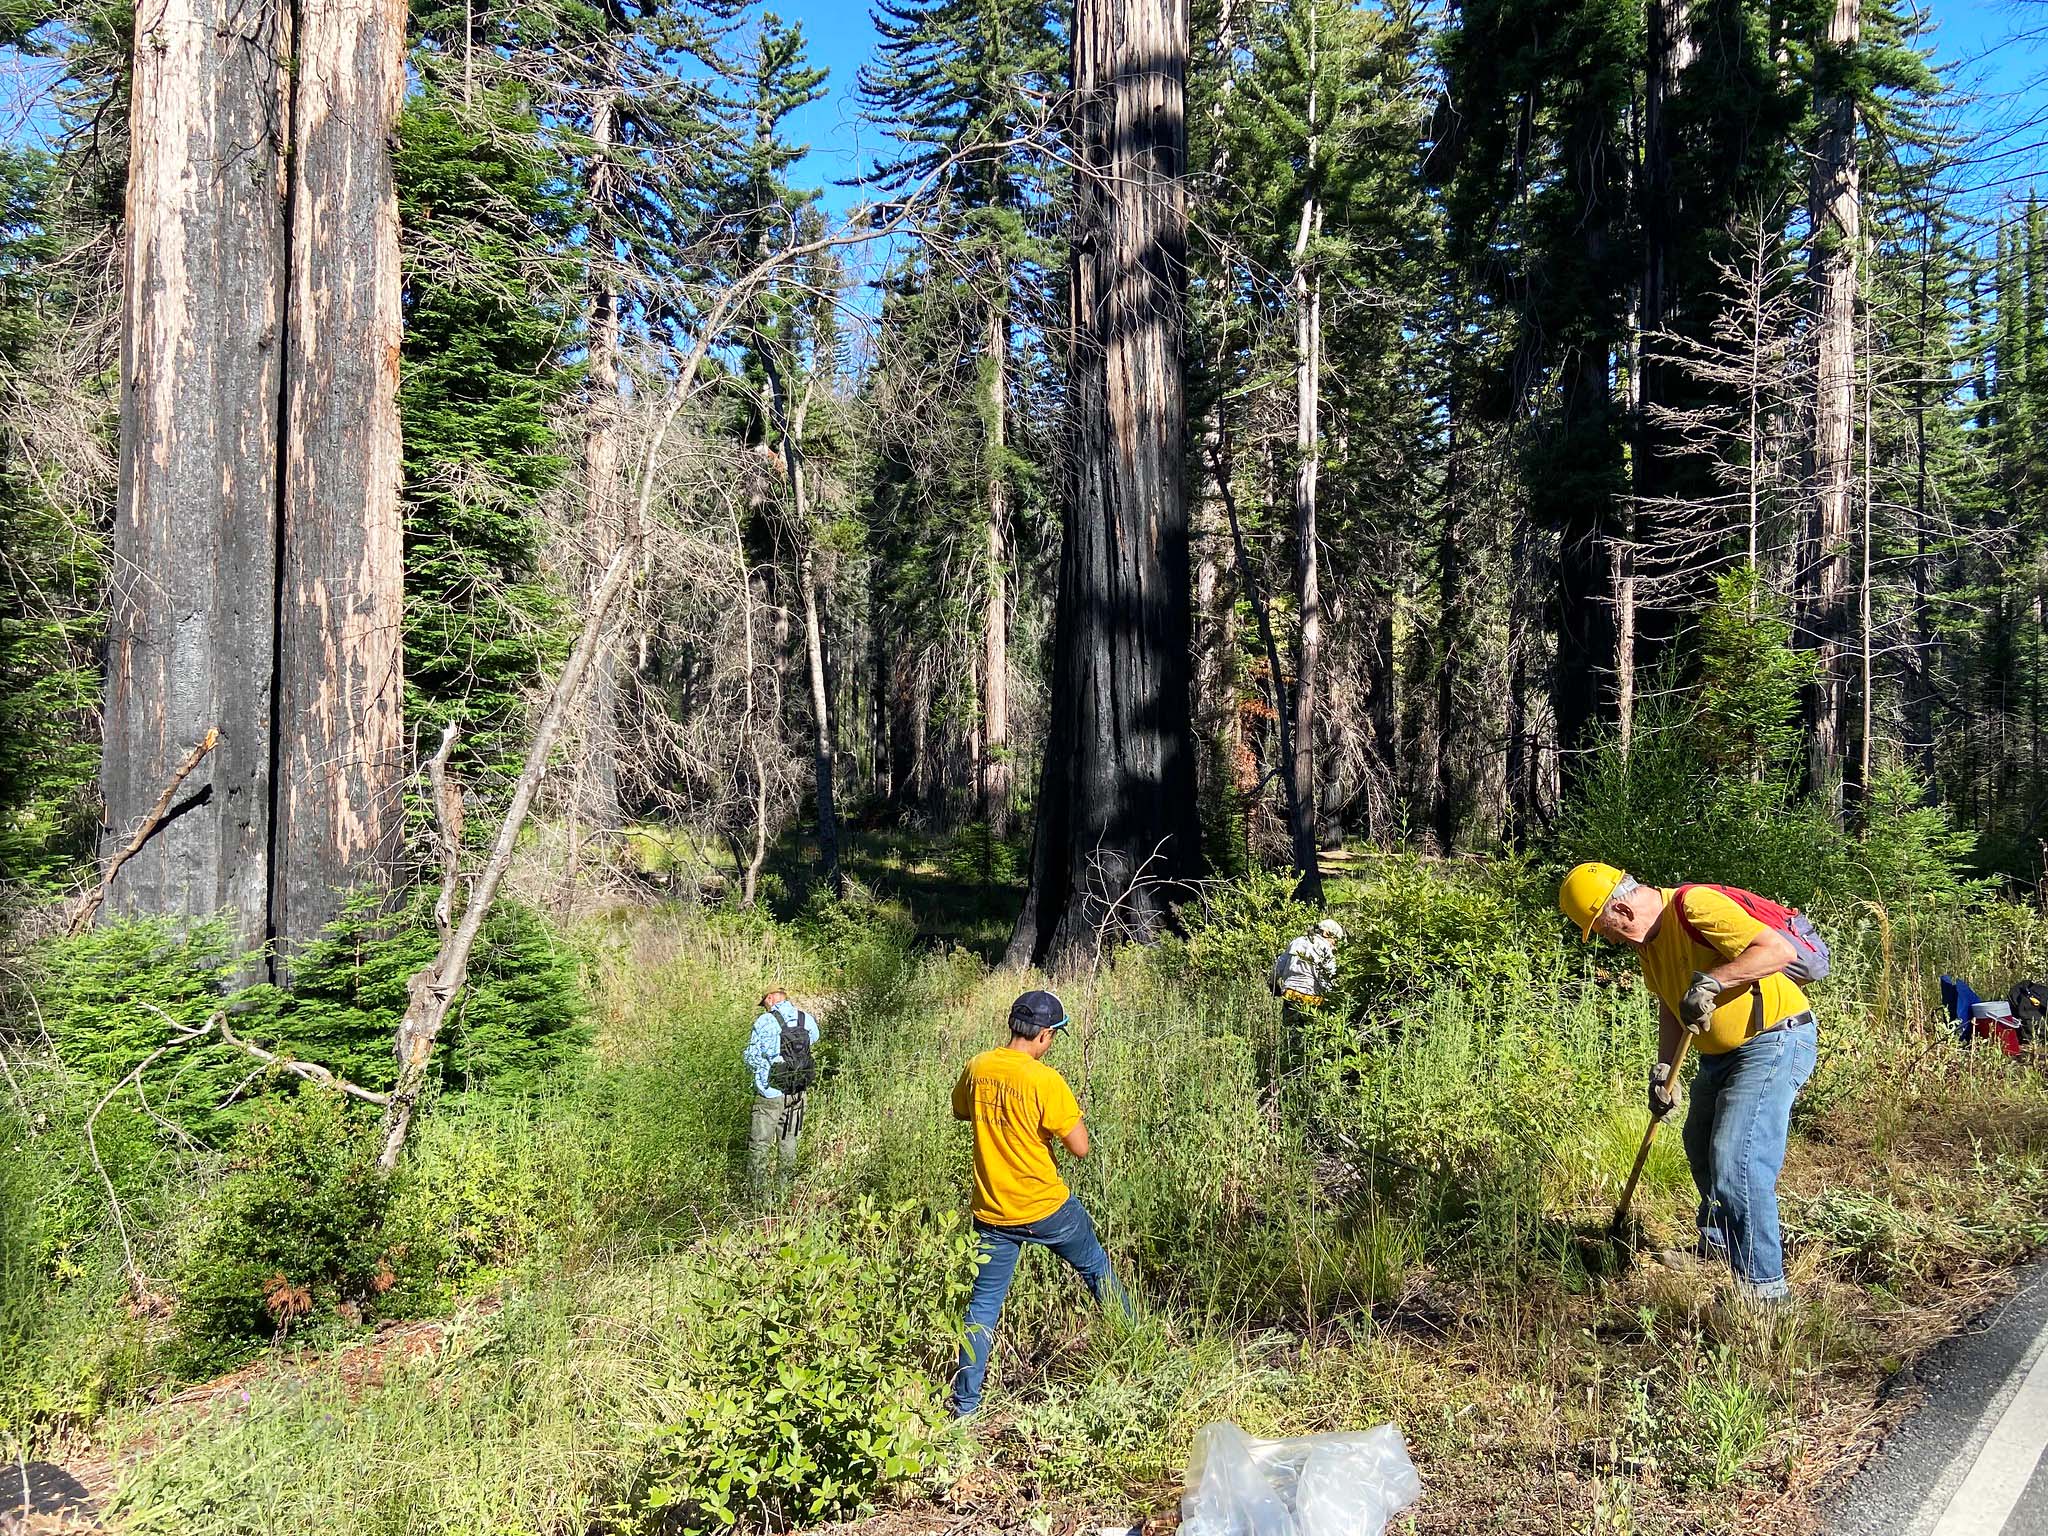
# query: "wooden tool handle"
1628,1191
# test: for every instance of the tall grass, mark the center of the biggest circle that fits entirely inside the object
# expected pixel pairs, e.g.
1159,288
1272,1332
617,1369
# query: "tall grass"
1383,1234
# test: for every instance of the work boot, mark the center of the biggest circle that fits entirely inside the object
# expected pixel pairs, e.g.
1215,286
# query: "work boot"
1761,1303
1685,1261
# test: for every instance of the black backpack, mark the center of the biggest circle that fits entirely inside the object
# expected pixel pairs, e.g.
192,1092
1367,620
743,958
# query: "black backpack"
794,1069
2029,1001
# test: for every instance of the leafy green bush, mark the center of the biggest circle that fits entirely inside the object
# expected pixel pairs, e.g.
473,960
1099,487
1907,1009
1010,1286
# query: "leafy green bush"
1238,927
110,997
1710,787
481,1183
68,1341
520,1014
816,1382
1478,1118
298,1234
1414,925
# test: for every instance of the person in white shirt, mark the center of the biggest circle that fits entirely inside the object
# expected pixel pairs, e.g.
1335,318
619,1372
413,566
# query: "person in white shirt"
1306,970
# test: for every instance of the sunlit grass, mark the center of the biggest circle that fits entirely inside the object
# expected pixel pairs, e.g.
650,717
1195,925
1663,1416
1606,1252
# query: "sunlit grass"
1391,1237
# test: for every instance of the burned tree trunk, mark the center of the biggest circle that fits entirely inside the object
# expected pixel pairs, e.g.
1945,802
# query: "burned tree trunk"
341,744
1308,598
1117,827
1824,572
597,772
995,651
192,606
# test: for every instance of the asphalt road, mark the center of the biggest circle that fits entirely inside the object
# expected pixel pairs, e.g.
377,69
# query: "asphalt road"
1968,1461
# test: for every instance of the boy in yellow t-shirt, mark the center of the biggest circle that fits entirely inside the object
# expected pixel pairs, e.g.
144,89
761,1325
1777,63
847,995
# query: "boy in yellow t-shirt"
1019,1108
1717,973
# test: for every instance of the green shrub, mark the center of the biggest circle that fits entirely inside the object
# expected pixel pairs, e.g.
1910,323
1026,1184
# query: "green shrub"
68,1342
1237,929
1710,787
477,1187
297,1235
1478,1120
1415,925
520,1014
110,997
976,854
817,1381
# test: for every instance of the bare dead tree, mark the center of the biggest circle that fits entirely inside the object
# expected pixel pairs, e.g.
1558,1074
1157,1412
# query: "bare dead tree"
1753,365
434,988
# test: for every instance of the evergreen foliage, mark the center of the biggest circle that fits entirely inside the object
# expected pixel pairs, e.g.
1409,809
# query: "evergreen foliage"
485,333
1711,788
111,997
50,572
962,89
297,1237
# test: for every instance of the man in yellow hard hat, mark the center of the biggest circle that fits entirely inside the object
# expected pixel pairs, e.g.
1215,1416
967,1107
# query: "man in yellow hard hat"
1718,973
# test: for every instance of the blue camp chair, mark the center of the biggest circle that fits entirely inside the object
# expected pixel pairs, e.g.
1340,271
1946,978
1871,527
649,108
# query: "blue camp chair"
1958,997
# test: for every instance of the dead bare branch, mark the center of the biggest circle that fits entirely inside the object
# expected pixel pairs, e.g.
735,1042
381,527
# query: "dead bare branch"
143,830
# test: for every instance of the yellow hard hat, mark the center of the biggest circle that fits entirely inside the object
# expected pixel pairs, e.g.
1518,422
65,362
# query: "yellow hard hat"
1585,892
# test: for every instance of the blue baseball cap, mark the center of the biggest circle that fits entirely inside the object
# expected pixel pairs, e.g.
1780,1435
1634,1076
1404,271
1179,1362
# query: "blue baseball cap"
1036,1012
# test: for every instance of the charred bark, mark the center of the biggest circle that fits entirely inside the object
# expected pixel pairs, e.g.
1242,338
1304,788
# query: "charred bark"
192,609
340,699
1117,830
1669,52
1824,573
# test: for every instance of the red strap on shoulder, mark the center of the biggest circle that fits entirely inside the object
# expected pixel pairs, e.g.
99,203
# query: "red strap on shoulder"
1678,906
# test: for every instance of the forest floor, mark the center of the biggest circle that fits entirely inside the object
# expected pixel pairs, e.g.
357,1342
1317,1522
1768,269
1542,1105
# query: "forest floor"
1286,1292
1488,1427
68,1495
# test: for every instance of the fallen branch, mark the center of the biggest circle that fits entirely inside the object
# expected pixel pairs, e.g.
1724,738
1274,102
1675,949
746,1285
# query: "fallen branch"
435,986
311,1072
448,819
138,1285
144,829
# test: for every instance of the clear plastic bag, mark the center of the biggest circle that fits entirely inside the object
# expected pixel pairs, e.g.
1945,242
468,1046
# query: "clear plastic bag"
1315,1485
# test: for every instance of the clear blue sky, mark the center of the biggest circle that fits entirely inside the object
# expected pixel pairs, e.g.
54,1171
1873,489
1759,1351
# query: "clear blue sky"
1982,37
1979,36
841,36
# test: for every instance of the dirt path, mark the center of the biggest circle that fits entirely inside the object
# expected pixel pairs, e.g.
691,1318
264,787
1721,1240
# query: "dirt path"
69,1496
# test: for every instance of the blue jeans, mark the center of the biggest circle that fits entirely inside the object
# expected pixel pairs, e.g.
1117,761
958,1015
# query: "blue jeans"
1067,1232
1735,1143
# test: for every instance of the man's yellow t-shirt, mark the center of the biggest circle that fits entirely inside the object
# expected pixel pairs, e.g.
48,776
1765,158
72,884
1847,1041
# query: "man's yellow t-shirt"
1671,956
1016,1103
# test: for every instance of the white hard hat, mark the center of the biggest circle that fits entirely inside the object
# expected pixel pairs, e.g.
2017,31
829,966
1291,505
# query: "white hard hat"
1331,929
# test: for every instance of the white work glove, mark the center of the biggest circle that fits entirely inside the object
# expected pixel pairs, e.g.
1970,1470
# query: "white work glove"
1696,1010
1664,1091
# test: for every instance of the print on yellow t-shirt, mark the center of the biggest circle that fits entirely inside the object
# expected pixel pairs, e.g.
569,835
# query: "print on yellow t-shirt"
1672,955
1017,1105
